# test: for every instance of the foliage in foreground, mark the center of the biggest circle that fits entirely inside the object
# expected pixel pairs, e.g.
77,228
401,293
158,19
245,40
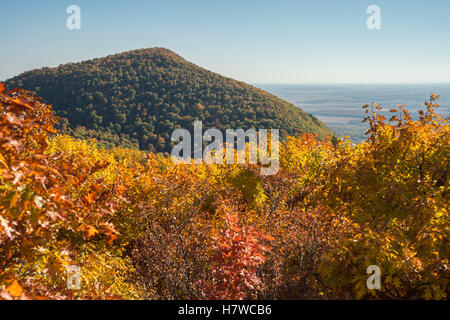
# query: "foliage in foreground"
141,227
139,97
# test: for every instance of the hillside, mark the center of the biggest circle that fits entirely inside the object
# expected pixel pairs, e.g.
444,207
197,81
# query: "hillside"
138,98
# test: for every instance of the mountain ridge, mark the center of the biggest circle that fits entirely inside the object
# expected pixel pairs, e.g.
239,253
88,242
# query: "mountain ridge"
138,97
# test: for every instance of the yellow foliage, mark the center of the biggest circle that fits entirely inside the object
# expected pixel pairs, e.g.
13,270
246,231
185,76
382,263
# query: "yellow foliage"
142,227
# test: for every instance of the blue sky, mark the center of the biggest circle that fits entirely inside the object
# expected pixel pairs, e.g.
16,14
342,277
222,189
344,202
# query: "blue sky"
277,41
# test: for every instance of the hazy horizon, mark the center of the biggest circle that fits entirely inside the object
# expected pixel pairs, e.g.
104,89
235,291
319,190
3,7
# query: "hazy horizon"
339,106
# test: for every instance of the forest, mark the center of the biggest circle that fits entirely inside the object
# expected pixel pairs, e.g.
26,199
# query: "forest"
138,98
141,227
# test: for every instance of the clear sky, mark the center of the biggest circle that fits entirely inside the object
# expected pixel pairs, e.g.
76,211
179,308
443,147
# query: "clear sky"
257,41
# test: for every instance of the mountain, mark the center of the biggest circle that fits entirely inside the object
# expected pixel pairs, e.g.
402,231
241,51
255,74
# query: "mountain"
137,98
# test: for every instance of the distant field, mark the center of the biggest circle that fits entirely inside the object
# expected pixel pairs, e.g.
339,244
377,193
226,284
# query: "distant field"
339,106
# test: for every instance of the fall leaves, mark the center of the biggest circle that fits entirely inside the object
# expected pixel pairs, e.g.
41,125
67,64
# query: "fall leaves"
44,220
394,190
141,227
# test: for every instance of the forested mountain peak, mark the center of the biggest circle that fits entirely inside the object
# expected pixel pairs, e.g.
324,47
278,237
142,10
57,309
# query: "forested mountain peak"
139,97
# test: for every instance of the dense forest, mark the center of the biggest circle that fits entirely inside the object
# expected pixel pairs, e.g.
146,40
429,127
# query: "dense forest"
141,227
138,98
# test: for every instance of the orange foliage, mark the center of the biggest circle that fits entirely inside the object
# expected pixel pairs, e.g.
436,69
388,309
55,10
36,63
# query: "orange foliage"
238,252
140,226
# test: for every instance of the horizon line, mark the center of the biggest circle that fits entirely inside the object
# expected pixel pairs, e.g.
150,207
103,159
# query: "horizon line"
348,83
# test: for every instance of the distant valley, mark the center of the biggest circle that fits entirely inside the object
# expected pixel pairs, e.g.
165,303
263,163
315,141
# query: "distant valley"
339,106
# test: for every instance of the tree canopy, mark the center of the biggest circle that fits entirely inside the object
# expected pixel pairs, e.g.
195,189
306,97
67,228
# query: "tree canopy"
138,98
